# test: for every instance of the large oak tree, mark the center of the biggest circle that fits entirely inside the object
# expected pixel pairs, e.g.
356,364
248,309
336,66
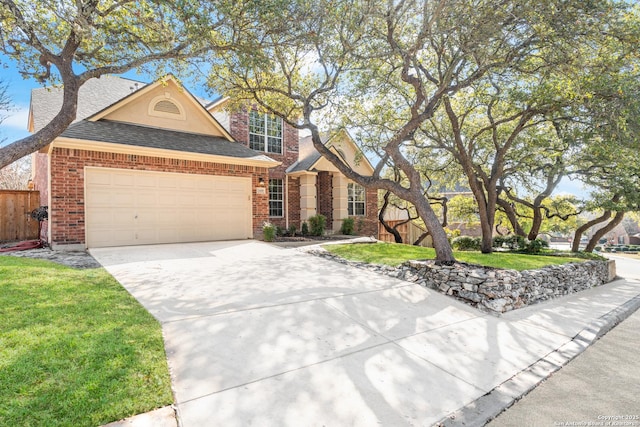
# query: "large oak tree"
390,65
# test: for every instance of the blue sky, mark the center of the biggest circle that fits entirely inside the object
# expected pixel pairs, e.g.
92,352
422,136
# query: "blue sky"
14,126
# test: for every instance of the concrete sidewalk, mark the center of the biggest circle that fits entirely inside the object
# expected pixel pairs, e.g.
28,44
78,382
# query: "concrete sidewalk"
601,386
259,335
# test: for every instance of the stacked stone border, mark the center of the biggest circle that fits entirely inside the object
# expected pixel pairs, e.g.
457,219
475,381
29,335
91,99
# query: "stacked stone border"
495,290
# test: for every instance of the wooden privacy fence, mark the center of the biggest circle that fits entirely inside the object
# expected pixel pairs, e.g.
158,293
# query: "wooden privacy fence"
408,231
15,220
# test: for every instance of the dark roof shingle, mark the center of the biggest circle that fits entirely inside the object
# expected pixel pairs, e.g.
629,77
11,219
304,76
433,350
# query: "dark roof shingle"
141,136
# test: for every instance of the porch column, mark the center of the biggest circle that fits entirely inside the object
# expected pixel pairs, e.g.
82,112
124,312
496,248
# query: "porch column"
308,196
340,210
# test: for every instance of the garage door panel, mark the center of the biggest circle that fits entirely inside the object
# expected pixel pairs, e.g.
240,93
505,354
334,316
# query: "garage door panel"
107,197
110,218
166,182
148,198
168,218
146,181
142,207
123,179
99,178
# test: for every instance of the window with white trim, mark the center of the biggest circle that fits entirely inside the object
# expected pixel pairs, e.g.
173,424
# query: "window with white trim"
356,199
276,198
265,132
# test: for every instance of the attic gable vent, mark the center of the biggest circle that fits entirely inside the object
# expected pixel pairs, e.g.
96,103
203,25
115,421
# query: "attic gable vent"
166,106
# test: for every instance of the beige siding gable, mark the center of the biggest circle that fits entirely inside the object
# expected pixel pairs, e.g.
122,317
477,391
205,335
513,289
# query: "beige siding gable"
345,148
166,105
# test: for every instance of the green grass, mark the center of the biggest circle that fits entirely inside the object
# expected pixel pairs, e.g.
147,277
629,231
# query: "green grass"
75,348
394,254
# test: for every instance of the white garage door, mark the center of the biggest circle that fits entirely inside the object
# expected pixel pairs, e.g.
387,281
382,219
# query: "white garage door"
126,207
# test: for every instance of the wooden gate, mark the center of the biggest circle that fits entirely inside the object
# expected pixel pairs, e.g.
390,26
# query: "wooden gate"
16,223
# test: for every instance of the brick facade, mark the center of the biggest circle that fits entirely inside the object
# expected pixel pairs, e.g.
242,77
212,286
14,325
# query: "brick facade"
294,203
66,212
324,188
368,225
239,129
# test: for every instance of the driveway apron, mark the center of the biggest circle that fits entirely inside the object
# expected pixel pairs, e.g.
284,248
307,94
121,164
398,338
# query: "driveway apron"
265,336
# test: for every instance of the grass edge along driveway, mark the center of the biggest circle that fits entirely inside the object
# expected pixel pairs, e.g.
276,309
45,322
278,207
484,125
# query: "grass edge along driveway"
394,254
76,349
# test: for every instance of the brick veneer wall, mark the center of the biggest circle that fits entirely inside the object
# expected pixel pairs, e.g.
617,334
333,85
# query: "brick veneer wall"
368,225
324,188
66,212
294,203
239,129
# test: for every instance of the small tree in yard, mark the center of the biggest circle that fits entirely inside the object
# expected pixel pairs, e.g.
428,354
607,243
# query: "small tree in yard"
16,175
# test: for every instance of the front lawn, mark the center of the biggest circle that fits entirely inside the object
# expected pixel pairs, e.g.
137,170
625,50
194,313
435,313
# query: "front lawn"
75,348
395,254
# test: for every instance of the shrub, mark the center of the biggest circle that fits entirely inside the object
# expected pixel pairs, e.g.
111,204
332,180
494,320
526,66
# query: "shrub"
498,241
268,232
466,243
279,231
348,224
318,223
292,230
452,234
304,229
536,246
514,241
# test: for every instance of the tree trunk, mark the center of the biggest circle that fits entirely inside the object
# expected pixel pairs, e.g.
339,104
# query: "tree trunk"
513,218
444,253
575,247
420,238
604,230
391,230
536,224
32,143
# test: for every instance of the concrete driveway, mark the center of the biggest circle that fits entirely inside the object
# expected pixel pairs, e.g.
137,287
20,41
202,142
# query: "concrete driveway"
260,335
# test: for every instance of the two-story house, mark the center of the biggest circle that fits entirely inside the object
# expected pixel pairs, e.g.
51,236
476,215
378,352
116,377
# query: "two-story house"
151,163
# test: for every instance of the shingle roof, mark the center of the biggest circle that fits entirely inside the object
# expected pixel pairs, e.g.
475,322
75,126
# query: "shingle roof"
308,155
141,136
95,95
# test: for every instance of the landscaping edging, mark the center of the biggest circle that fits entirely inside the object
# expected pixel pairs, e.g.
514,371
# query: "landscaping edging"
495,290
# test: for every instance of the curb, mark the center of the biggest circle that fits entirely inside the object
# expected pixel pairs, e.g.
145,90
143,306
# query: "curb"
161,417
484,409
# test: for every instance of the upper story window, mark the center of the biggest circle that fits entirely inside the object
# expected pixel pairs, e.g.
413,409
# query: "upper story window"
356,199
265,132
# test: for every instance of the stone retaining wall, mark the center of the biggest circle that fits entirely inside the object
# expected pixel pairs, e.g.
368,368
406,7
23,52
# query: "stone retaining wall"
500,291
496,290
